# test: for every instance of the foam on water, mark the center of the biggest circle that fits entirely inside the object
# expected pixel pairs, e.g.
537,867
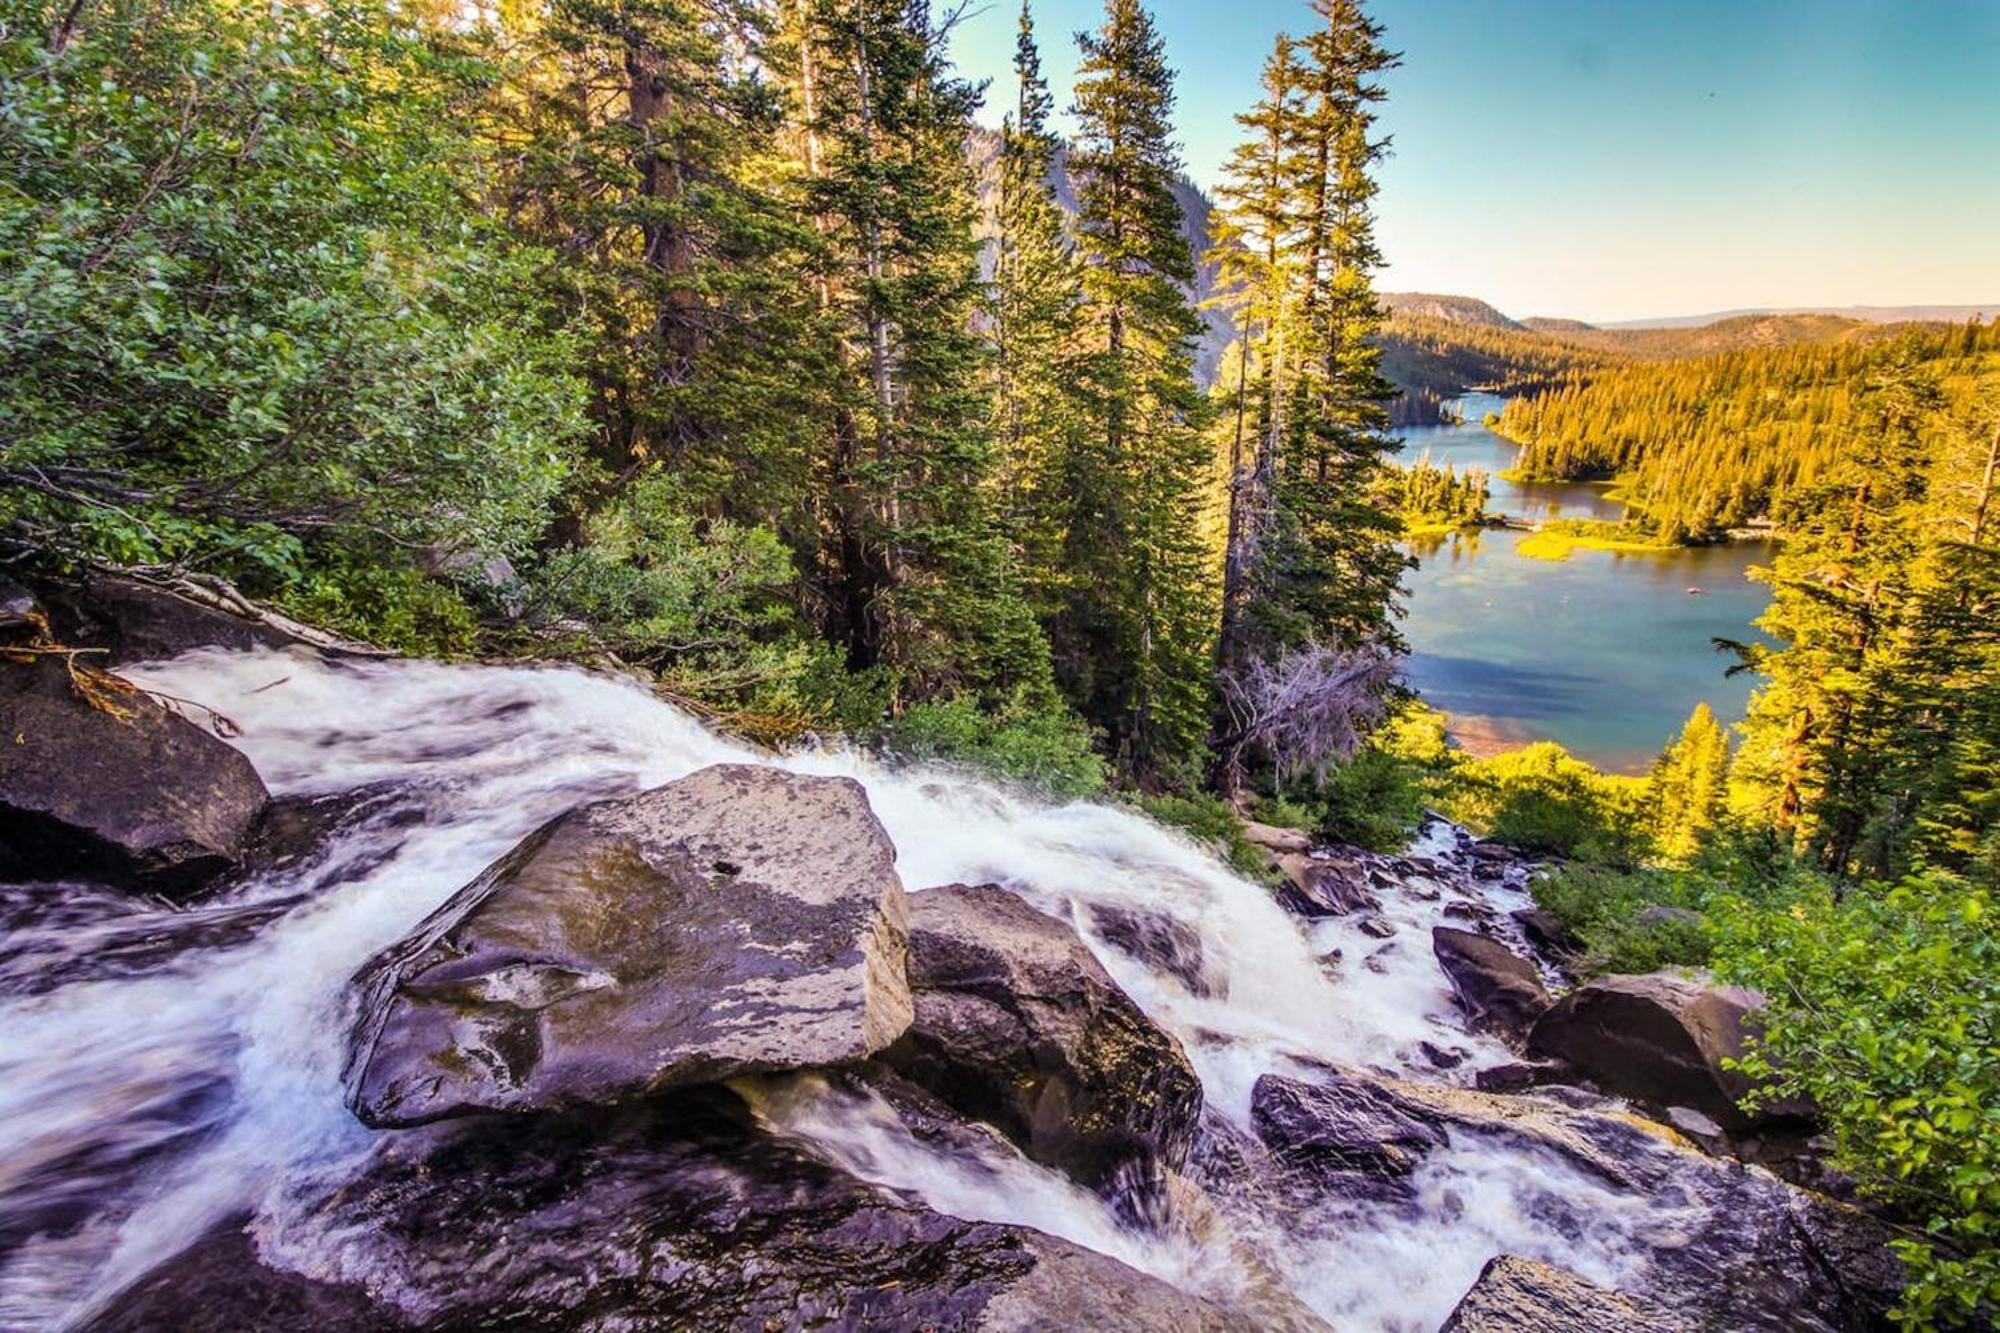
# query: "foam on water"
213,1088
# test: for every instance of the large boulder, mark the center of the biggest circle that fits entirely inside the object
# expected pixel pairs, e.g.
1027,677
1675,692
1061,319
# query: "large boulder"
1720,1245
1320,886
1501,992
101,781
1662,1039
1158,940
739,920
1344,1125
1516,1295
1019,1025
140,622
674,1213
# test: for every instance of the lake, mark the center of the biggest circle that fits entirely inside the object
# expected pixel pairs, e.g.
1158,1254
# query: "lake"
1606,652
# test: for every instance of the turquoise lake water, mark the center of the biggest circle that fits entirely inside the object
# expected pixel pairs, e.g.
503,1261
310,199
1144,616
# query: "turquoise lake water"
1606,652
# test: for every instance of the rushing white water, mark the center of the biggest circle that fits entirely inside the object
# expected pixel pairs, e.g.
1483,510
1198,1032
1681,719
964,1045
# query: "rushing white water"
137,1112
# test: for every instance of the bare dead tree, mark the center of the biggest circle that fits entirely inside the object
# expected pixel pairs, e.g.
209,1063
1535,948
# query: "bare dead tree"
1308,709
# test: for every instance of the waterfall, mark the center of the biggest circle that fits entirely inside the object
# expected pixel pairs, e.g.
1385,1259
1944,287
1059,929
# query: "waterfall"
140,1110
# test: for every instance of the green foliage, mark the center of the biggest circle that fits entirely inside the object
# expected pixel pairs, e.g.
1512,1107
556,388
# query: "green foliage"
1041,744
1688,782
382,602
1708,444
1626,921
1374,800
248,292
1543,800
1883,1007
1211,820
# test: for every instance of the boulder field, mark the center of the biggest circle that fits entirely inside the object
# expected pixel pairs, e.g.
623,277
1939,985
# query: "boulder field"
567,1068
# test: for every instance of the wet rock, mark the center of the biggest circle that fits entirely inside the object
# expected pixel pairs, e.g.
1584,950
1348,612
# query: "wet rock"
1659,1038
1441,1057
1501,992
1019,1025
1720,1245
1159,941
1515,1295
138,622
295,832
739,920
220,1285
1317,887
21,613
1697,1127
1344,1125
1375,927
1520,1075
127,792
1276,840
669,1214
1545,931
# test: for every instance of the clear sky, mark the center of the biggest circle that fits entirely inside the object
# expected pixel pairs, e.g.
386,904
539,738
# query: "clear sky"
1608,160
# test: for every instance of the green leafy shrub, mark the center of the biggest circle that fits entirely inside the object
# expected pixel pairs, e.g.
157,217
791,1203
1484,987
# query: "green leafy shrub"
1626,920
1039,743
250,291
1374,800
1210,820
1885,1010
1543,800
385,604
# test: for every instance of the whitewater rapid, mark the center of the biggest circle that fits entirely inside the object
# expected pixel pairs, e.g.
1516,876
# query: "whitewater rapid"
141,1111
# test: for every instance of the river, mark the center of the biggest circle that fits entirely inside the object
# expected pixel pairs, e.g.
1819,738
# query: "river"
1606,652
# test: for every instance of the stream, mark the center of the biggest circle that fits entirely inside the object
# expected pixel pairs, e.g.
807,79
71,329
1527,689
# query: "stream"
149,1097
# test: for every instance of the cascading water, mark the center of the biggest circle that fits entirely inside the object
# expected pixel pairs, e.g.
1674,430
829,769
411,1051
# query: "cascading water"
143,1104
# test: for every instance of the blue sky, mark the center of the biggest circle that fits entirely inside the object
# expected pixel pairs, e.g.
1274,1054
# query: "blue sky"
1611,160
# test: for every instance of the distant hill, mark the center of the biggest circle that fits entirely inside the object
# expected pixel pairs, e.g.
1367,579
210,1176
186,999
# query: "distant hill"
1447,309
1870,314
1559,326
983,148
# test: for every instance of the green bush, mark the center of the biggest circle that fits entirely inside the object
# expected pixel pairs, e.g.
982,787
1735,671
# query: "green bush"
1039,743
1884,1008
1374,800
1607,911
385,604
1543,800
256,317
1211,820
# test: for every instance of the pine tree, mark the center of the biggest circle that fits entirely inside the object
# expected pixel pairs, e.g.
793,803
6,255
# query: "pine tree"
1257,279
1037,293
1689,786
914,570
1874,728
1132,634
1337,563
635,133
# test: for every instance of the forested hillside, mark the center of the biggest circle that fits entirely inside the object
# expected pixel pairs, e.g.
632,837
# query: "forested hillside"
670,331
687,339
1711,443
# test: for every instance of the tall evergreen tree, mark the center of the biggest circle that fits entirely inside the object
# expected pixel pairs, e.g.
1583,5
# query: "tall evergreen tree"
1688,785
636,137
1255,253
1336,572
1132,635
1037,295
914,571
1875,725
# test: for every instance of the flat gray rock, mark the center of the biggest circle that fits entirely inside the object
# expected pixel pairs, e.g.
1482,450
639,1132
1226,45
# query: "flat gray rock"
740,920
